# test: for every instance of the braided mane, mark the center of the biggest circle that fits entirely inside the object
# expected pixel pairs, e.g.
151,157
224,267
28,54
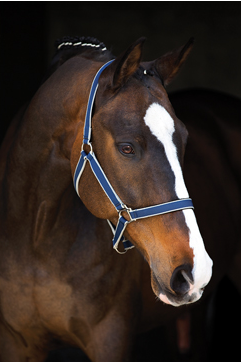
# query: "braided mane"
68,47
78,43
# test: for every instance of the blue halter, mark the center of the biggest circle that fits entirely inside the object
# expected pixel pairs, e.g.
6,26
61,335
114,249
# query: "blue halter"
106,186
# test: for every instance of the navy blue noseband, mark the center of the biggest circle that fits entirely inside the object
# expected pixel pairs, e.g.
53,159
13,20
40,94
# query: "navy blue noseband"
106,186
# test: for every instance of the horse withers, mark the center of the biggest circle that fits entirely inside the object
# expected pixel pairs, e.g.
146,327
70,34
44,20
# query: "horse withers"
60,279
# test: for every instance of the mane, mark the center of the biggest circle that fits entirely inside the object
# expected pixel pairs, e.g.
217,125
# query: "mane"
68,42
91,48
68,47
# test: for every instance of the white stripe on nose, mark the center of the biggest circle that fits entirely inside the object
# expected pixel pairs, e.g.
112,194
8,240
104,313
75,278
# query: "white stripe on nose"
161,125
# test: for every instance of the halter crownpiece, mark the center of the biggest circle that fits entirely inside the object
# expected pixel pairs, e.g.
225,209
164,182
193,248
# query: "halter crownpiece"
120,207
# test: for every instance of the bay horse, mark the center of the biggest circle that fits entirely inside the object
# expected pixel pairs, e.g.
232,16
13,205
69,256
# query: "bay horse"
212,173
99,141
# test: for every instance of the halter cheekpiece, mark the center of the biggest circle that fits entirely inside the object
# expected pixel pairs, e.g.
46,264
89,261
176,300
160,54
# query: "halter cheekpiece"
120,207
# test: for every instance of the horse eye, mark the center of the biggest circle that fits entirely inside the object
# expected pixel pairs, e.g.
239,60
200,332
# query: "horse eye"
127,149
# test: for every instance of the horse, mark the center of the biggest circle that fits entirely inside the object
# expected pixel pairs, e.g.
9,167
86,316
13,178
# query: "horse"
91,168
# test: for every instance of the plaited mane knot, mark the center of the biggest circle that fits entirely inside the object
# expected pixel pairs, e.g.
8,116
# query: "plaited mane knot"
68,42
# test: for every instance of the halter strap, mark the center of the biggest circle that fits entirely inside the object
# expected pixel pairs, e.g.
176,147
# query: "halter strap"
88,115
120,207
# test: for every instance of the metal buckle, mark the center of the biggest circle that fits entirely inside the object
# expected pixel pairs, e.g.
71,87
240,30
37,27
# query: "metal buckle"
128,210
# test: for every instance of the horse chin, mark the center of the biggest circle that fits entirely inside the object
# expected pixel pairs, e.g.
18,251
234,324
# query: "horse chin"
177,303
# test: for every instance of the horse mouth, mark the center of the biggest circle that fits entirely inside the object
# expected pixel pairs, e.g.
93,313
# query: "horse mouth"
169,297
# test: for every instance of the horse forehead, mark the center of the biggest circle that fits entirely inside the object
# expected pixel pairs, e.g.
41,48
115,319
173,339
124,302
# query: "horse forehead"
159,121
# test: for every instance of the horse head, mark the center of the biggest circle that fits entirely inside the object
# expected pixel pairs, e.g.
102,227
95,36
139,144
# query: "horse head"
140,143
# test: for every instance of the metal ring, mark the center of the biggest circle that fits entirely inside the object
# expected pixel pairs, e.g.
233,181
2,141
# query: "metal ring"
128,210
87,144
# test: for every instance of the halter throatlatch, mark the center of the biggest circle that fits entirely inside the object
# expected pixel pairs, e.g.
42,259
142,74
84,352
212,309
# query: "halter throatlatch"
106,186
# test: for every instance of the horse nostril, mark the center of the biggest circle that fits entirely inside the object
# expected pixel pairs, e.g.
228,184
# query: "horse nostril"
181,279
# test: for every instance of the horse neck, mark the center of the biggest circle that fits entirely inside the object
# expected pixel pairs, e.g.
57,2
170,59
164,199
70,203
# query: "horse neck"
38,168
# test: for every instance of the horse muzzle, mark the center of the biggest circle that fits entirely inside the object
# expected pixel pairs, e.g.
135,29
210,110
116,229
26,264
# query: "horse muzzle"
182,288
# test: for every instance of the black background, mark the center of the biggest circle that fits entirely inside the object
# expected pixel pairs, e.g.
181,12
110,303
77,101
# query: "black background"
27,34
29,29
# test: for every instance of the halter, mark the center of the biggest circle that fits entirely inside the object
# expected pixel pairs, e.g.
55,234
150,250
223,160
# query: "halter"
108,189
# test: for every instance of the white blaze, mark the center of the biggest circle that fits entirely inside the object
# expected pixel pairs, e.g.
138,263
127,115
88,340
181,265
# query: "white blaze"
162,127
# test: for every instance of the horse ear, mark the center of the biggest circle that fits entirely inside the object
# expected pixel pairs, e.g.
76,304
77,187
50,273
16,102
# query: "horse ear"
169,64
127,63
